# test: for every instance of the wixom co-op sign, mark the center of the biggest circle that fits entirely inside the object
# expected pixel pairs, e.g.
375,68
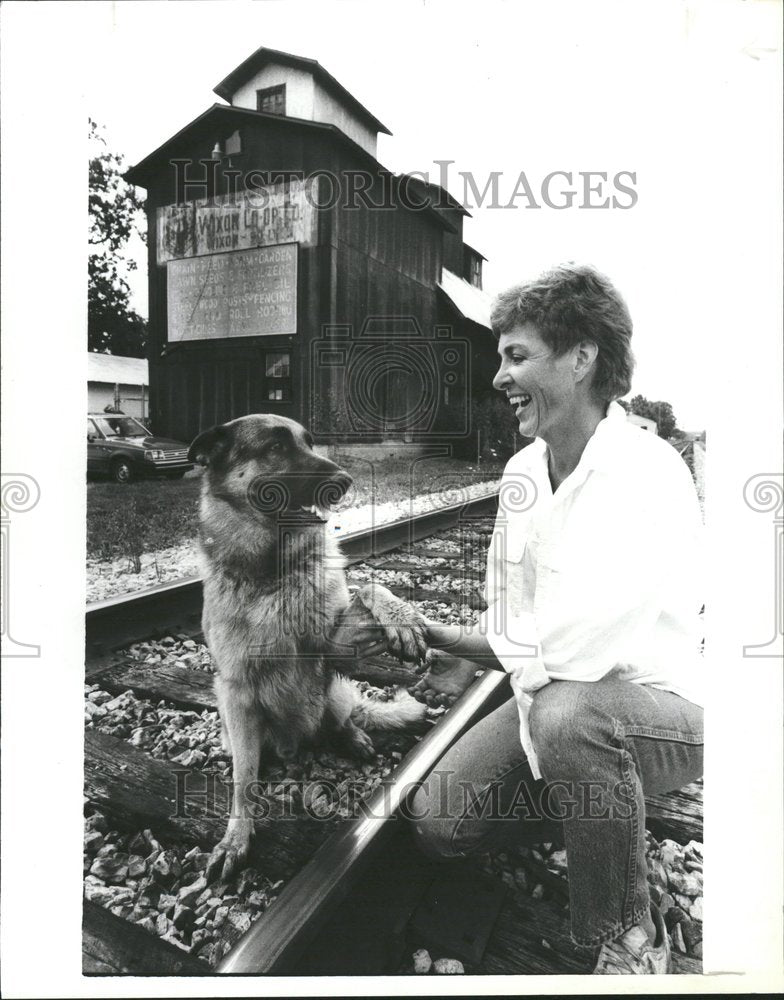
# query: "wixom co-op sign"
232,262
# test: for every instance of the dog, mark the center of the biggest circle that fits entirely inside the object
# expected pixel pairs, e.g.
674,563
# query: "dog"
275,602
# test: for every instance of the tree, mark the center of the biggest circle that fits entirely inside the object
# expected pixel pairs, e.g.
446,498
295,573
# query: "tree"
659,411
113,325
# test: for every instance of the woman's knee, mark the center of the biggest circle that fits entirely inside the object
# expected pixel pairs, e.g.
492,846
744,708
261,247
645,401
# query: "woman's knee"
432,824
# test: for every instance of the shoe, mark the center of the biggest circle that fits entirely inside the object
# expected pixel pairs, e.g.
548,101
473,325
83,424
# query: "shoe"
633,953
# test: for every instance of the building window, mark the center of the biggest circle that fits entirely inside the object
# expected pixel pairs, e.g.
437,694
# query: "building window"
277,372
472,267
233,144
272,100
475,271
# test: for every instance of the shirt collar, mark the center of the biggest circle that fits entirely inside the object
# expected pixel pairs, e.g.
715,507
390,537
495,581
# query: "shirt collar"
599,446
603,440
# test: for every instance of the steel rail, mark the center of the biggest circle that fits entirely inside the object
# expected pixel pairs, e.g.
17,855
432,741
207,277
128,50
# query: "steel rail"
127,618
274,943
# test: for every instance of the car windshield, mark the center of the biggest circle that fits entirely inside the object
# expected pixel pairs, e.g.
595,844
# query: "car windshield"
113,427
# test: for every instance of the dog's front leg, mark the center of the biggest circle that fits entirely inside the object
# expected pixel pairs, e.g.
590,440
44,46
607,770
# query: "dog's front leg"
243,726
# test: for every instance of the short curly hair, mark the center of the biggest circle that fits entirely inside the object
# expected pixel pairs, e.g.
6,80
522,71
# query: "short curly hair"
570,303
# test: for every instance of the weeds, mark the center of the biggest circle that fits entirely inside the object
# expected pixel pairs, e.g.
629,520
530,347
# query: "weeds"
126,521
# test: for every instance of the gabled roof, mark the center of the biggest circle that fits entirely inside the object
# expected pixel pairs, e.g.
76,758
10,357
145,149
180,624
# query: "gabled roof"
228,117
474,250
116,369
215,116
440,197
469,300
261,57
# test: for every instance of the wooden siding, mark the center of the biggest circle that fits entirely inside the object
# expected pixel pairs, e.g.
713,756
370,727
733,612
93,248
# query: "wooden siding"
367,262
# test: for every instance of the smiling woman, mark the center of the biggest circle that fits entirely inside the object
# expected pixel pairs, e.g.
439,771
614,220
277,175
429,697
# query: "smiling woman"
594,592
571,304
565,347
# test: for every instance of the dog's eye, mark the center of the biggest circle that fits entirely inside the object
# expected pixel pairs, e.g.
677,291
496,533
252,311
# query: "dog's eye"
275,446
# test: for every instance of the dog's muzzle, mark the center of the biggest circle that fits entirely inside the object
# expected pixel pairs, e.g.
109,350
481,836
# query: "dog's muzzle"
311,493
328,493
335,488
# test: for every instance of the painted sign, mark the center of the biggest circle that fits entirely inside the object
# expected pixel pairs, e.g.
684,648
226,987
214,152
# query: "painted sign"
265,216
249,293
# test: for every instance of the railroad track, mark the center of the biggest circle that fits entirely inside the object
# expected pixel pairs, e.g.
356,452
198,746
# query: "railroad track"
336,890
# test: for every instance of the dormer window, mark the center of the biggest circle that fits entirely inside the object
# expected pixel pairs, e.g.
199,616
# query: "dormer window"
272,100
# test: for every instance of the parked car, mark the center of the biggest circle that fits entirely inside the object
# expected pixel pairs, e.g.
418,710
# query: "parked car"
121,447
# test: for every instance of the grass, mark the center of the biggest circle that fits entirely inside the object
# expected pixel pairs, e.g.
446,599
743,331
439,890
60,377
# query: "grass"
142,516
150,515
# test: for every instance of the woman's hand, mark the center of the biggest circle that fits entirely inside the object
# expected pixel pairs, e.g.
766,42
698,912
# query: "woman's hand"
444,678
403,626
375,622
356,639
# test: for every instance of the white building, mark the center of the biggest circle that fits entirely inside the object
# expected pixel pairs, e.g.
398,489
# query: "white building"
644,423
284,84
118,382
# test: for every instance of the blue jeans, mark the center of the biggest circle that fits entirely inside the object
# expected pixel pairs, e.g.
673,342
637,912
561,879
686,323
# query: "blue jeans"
601,746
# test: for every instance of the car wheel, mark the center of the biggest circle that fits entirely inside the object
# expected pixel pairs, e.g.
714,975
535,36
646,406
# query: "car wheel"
122,471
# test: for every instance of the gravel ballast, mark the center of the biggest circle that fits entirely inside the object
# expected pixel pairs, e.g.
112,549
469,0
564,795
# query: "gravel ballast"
160,885
157,884
674,881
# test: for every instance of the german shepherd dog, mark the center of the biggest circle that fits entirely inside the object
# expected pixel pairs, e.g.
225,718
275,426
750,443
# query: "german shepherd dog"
275,596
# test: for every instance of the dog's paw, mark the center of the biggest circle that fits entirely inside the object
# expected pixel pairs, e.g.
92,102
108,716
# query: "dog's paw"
361,744
353,741
404,628
229,856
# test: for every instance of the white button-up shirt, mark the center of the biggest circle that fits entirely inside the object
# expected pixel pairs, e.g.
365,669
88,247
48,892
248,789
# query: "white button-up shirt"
602,575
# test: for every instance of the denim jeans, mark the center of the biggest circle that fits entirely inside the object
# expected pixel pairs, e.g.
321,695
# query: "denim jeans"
601,746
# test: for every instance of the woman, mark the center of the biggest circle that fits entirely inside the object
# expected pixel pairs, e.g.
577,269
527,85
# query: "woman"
593,609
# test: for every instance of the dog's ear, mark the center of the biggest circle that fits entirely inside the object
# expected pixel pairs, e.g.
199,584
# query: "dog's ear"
210,445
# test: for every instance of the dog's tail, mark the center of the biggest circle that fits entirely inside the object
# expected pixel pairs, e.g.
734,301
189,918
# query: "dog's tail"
347,700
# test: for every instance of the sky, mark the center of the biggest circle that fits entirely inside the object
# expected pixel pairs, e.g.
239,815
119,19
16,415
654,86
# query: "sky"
653,89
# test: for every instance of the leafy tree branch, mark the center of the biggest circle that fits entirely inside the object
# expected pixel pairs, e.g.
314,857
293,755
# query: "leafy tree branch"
115,215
